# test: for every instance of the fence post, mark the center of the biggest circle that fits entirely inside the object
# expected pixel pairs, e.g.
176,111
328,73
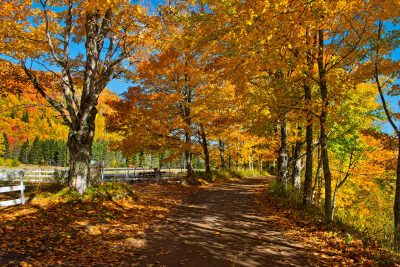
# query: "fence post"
102,172
21,177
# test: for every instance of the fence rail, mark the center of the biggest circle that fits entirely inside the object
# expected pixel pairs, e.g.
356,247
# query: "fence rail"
107,174
10,176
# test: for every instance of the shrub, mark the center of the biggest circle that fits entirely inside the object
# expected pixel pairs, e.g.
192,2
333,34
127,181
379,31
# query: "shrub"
9,162
226,174
60,175
285,196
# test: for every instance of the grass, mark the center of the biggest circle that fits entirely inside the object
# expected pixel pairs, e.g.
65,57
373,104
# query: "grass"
218,175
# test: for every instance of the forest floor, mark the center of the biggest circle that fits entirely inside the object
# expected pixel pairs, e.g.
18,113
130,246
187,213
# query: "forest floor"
228,224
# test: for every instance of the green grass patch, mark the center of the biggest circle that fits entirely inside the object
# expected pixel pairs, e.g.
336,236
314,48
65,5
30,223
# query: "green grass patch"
216,175
104,192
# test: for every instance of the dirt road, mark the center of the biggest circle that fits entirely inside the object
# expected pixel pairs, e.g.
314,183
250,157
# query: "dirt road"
220,226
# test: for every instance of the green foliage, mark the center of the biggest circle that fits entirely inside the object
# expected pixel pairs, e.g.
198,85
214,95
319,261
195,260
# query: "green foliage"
286,197
226,174
23,154
9,162
214,175
102,152
34,155
249,173
369,211
25,117
66,193
60,175
6,147
2,146
109,191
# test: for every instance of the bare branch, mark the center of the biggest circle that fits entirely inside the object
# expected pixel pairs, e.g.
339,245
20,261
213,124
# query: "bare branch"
54,103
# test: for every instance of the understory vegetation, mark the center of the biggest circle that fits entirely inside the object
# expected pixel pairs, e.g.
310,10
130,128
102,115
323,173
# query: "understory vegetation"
363,214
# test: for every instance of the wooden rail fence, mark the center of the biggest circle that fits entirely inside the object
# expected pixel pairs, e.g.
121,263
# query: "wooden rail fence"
11,176
106,174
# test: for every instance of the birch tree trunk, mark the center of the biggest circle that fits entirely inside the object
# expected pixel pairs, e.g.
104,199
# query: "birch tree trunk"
297,166
283,160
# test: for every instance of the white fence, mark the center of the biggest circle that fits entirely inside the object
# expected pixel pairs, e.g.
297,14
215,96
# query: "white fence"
12,176
139,174
107,174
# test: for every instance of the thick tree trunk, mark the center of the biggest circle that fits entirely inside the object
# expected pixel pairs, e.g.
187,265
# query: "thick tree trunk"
323,132
297,166
79,165
79,145
283,159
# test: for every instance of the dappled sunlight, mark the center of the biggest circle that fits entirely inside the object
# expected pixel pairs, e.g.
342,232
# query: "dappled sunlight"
221,227
83,232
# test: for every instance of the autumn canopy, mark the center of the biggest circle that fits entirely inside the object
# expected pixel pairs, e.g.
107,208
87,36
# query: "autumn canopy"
302,89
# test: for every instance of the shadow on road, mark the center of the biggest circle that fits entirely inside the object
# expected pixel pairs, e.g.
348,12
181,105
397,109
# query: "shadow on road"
220,226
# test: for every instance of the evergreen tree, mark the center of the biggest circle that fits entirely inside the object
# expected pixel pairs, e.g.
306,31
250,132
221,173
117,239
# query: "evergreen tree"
100,150
6,144
2,147
59,154
47,152
23,154
34,152
14,154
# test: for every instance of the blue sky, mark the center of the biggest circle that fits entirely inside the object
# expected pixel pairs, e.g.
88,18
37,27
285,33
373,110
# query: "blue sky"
118,85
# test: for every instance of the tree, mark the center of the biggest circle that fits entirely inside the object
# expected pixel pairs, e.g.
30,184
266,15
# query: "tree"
109,34
34,155
385,71
23,154
2,146
6,147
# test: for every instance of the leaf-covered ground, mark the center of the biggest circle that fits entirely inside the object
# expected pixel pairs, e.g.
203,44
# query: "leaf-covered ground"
331,246
53,230
224,224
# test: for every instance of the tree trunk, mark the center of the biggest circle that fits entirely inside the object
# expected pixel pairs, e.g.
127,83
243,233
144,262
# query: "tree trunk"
396,207
188,155
317,190
334,202
205,149
308,176
323,132
283,159
221,148
79,145
297,166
